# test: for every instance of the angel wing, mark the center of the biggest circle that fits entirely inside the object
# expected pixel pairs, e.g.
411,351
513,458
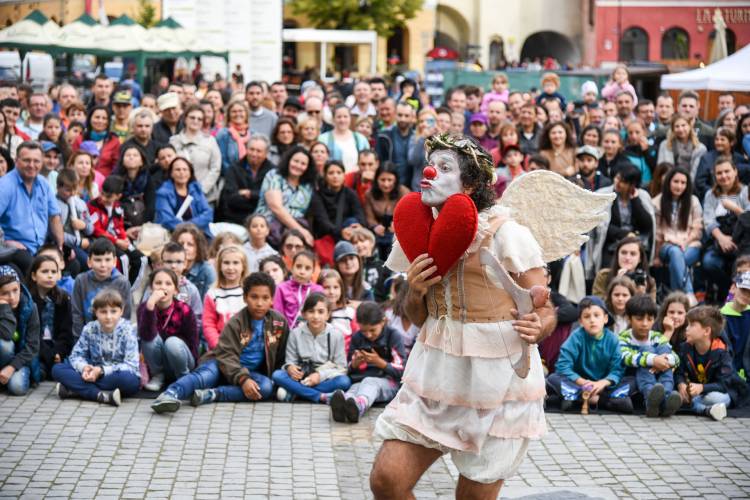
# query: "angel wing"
557,212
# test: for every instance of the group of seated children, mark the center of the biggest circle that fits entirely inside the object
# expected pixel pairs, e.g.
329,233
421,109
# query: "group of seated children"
607,370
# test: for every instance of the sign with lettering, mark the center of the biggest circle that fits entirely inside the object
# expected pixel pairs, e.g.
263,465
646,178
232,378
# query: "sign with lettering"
731,16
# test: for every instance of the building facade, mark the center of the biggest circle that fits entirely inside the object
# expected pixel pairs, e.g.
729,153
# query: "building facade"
676,32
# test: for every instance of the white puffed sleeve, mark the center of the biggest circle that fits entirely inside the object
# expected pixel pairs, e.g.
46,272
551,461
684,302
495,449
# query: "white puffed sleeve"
516,248
397,261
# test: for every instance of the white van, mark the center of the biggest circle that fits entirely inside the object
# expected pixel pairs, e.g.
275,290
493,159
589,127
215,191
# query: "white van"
10,66
38,70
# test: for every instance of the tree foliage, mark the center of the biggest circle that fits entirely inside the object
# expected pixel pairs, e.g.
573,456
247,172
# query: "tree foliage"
382,16
146,16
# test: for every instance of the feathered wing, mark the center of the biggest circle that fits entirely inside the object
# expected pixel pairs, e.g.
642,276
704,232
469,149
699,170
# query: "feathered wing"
557,212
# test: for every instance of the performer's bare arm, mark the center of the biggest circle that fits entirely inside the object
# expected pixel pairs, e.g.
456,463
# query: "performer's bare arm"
534,327
417,276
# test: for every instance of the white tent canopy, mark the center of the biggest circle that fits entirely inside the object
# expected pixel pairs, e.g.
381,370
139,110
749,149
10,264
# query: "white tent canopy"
730,74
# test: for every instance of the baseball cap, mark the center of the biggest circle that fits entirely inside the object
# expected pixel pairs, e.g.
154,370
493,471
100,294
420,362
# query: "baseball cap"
89,147
479,117
743,280
594,300
588,150
168,100
343,249
122,97
49,146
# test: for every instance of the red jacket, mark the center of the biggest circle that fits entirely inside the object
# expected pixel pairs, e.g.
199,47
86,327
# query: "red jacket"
112,228
353,180
109,154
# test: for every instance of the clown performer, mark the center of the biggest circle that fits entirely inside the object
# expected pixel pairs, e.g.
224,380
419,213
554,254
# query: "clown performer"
473,386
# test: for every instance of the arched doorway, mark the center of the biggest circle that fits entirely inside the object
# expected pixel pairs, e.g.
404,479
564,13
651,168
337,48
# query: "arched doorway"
289,49
731,41
675,44
497,53
398,47
545,44
451,29
634,45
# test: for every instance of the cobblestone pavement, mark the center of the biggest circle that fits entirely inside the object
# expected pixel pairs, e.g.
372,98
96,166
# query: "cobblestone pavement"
52,448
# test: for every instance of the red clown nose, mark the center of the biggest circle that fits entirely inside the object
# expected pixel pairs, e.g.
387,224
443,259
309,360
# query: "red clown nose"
429,172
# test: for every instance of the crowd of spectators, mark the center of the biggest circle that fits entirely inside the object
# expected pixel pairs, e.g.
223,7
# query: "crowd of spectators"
226,242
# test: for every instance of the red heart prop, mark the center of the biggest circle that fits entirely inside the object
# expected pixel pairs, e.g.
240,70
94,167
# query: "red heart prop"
412,221
445,239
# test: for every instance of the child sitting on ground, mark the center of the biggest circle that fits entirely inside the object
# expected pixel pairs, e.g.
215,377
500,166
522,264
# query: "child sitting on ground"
251,347
224,299
66,281
376,363
291,294
19,334
275,267
671,321
74,213
167,331
53,306
375,272
108,218
173,258
737,317
706,379
315,364
648,355
619,292
590,361
103,366
343,315
257,247
103,275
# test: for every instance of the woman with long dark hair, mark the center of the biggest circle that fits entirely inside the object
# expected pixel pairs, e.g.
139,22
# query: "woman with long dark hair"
558,145
286,193
679,227
380,201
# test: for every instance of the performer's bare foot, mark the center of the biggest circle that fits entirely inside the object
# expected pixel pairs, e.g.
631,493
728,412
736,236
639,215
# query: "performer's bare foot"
472,490
398,467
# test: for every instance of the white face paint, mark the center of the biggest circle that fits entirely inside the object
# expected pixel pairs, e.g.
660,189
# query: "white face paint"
446,183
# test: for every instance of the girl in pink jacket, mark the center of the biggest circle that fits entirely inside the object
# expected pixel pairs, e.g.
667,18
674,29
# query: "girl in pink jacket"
291,294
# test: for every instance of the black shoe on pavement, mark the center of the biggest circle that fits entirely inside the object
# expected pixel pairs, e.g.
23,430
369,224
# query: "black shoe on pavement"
654,400
338,406
620,405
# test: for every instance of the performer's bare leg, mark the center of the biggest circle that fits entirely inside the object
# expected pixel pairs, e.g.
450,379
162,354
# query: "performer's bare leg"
398,467
472,490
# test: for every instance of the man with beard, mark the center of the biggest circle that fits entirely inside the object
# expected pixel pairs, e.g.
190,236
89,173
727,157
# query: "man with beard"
588,176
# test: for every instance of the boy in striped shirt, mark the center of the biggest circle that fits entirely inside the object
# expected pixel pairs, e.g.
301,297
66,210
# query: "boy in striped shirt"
648,355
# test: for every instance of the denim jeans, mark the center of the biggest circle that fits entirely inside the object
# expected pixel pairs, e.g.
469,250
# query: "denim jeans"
282,378
717,267
208,376
127,382
570,391
374,390
700,403
19,382
170,357
679,262
645,380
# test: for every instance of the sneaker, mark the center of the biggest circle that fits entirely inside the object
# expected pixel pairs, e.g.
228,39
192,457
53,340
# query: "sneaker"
671,404
63,392
338,406
166,403
351,410
155,384
566,405
717,411
283,395
202,397
109,397
654,400
620,405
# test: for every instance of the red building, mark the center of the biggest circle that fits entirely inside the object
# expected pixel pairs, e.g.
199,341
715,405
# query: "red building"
677,32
